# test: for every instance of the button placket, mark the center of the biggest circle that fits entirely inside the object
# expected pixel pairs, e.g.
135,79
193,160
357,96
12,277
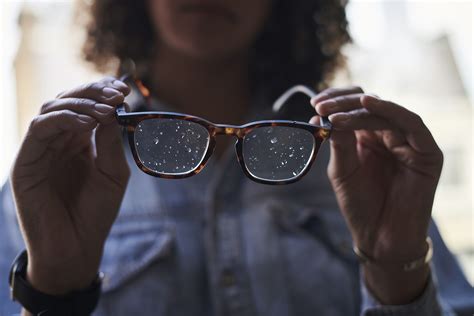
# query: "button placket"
228,276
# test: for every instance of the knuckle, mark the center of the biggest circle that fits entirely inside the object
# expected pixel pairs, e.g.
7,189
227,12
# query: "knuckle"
417,120
46,106
343,99
94,86
61,115
60,94
83,103
34,123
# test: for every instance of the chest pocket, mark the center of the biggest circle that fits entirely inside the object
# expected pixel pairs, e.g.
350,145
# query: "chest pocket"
133,245
140,236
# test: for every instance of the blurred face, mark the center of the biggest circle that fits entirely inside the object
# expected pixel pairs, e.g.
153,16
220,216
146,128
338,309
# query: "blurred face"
208,29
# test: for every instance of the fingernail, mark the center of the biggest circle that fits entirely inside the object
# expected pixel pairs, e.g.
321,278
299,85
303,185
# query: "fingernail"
338,118
104,109
109,92
326,106
85,118
371,97
315,100
120,84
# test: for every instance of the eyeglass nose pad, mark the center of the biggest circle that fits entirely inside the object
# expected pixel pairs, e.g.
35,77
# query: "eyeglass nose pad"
240,155
238,149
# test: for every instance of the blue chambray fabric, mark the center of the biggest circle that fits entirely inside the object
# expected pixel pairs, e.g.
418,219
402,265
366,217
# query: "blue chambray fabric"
220,244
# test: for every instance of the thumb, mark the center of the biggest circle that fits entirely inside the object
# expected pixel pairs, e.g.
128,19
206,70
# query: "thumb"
344,160
110,159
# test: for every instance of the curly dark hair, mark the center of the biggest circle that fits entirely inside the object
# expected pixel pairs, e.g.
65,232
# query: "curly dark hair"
300,43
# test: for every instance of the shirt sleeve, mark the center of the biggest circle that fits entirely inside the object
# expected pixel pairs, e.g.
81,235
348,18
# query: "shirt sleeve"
448,292
428,304
10,244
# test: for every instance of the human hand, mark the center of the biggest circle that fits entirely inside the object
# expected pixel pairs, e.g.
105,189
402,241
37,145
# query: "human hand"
384,169
68,181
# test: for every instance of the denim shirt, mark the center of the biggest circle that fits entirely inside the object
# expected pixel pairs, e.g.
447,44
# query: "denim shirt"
220,244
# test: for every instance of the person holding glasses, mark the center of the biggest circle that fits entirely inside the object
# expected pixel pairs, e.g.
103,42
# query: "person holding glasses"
170,224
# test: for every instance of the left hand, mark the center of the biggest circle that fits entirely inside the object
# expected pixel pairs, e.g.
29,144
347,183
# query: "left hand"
384,169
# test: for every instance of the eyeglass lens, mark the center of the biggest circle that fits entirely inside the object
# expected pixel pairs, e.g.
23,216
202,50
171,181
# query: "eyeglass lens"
171,146
277,152
174,146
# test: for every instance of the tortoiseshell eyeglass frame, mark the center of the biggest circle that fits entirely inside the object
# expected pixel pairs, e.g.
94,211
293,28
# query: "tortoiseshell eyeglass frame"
130,120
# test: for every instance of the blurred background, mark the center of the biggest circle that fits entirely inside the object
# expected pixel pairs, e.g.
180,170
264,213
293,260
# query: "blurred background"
416,53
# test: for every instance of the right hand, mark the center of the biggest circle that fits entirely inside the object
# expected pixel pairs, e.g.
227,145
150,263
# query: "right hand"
68,182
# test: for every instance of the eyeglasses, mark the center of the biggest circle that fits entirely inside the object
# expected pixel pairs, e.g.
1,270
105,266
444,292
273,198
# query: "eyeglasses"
173,145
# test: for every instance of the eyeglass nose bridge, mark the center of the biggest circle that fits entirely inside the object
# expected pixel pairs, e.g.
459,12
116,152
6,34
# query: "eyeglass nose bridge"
233,130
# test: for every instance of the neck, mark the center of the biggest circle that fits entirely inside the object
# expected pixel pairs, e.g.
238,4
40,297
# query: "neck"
215,90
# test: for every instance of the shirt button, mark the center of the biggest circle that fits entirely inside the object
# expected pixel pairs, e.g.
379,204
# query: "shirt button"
227,278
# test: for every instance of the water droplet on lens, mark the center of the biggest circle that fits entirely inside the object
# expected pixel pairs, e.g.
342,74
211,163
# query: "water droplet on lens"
189,150
156,140
273,140
294,173
161,133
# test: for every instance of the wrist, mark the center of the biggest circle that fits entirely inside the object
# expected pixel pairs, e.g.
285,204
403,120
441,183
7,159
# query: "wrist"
401,249
396,279
60,280
75,302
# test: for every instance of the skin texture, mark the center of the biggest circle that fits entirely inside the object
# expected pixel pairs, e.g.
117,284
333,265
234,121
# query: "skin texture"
64,221
384,169
382,155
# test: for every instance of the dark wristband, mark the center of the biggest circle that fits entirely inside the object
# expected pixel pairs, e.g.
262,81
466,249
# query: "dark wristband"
76,303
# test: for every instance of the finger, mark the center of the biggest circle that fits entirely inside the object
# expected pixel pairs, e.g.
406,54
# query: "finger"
117,83
315,120
360,119
61,142
77,145
45,128
109,91
103,113
110,159
344,160
393,139
342,103
334,92
416,132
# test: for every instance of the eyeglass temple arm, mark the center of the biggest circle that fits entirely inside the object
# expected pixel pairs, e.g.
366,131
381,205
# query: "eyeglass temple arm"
138,86
290,92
